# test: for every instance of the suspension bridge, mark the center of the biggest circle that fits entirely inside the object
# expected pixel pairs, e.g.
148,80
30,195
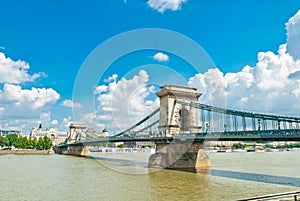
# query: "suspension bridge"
181,126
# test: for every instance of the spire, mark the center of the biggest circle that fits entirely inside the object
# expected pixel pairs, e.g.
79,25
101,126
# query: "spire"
40,126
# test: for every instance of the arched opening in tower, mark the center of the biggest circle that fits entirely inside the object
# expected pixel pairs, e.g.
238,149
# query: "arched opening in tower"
184,120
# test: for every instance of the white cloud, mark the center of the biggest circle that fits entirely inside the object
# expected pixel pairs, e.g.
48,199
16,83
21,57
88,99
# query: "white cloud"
125,101
114,77
22,108
46,121
100,89
161,57
15,72
210,84
70,103
92,121
271,85
54,122
34,98
163,5
65,123
293,35
25,123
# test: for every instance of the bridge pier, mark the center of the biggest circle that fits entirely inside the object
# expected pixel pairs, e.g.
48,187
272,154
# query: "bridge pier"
74,150
180,155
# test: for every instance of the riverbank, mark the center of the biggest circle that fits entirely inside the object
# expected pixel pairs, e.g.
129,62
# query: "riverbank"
27,151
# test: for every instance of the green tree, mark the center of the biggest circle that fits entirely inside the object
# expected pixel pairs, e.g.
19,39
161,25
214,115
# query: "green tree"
18,142
47,143
3,141
238,146
25,143
121,146
40,144
30,143
34,143
12,138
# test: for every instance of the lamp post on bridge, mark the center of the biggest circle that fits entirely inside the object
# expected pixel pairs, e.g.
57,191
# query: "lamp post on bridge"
258,121
207,128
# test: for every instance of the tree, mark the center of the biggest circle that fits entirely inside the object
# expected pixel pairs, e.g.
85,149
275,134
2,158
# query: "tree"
40,144
25,143
47,143
12,138
19,143
3,141
238,146
34,143
30,144
121,146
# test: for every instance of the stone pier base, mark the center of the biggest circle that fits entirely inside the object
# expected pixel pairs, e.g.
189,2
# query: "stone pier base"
180,155
74,150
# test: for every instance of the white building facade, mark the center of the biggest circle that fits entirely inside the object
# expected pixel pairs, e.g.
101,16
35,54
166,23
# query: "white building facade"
56,137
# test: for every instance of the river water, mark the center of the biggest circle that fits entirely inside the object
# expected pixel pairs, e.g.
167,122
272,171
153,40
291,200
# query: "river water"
60,177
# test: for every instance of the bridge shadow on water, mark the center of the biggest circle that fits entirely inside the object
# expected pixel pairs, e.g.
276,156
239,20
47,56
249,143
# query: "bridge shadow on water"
264,178
271,179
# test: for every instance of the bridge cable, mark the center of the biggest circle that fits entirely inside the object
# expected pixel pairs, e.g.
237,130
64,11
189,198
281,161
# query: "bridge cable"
139,123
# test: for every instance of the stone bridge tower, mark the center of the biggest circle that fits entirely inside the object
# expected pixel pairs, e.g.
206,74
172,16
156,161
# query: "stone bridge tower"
76,132
176,118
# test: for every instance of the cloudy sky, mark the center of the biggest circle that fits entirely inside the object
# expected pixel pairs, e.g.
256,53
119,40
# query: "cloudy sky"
254,47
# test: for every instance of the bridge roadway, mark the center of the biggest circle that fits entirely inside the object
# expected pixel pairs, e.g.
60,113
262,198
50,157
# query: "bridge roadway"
258,135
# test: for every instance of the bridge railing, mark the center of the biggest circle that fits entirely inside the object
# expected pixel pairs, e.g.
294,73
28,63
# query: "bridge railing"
271,135
216,118
280,196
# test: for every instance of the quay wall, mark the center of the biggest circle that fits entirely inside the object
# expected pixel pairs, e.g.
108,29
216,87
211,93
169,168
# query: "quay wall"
26,151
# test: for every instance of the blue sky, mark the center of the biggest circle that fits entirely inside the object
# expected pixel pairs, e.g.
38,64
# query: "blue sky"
55,37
